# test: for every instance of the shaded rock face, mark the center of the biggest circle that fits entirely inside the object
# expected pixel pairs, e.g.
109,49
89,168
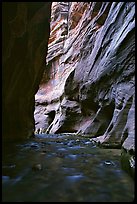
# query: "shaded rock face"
25,33
89,81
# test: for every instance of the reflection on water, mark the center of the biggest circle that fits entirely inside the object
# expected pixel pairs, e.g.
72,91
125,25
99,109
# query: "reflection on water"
63,168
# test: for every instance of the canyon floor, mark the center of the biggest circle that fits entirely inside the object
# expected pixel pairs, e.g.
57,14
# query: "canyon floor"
63,168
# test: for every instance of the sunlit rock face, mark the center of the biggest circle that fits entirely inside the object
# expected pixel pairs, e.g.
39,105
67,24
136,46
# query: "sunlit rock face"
25,33
88,86
53,82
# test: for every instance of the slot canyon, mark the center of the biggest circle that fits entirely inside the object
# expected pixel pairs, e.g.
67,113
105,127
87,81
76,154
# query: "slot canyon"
68,101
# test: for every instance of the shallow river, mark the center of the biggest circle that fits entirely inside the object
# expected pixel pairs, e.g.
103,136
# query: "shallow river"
63,168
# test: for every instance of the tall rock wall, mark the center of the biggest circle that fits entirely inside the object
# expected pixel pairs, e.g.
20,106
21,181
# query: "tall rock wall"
88,86
25,33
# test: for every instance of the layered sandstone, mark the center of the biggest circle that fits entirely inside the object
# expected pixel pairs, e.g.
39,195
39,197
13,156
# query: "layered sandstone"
88,86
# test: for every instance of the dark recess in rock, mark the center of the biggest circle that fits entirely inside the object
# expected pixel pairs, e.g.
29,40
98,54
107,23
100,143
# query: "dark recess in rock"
25,33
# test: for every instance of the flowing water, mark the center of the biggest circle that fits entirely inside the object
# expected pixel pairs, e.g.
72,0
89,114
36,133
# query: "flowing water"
63,168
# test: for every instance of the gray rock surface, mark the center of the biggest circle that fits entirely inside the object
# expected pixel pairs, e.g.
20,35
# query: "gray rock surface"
90,82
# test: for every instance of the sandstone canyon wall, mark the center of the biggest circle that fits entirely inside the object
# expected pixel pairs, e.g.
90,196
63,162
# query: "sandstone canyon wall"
25,33
88,85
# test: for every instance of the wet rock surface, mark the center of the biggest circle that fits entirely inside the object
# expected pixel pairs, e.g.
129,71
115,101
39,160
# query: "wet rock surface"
63,168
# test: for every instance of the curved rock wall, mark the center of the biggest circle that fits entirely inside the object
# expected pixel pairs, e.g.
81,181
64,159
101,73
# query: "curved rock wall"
25,33
88,87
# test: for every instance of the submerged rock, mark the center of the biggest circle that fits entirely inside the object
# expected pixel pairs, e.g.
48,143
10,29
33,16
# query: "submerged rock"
37,167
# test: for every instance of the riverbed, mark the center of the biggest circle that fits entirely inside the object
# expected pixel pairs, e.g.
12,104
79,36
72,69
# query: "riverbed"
63,168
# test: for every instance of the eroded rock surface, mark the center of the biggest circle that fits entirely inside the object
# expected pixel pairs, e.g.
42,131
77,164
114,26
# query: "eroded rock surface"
88,87
25,33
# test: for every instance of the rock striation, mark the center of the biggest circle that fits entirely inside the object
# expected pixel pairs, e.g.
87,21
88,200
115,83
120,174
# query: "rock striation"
25,33
88,86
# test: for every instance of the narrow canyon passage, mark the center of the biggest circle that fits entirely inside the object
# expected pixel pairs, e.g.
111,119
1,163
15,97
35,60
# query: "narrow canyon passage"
64,168
68,97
